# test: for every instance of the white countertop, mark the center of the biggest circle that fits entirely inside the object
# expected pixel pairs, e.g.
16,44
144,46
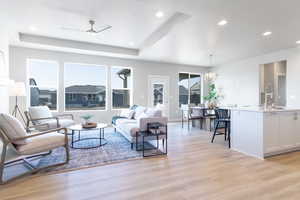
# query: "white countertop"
262,109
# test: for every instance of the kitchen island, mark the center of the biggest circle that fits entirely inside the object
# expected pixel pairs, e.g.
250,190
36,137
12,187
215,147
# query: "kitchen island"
260,132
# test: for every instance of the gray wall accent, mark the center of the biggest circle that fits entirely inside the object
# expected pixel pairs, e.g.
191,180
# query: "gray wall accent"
141,71
4,74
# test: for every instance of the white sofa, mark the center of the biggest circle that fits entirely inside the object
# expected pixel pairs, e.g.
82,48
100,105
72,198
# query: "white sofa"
130,128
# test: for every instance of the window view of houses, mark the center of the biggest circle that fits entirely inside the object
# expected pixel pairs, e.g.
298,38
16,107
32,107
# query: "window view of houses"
158,93
85,86
189,89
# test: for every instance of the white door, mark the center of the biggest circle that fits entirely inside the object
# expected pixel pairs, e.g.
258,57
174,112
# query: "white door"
158,92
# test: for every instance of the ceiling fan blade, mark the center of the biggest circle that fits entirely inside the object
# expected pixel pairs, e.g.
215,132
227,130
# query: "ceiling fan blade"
72,29
104,29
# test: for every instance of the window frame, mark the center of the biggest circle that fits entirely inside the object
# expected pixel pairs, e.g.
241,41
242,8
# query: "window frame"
129,89
28,87
64,88
189,92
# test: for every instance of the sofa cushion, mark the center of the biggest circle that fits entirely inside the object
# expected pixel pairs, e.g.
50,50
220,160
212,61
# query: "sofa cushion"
125,120
37,112
131,128
12,127
115,118
154,112
138,111
127,113
143,115
42,143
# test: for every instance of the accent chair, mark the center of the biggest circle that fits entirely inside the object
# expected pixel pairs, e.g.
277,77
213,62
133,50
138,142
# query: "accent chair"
41,115
27,145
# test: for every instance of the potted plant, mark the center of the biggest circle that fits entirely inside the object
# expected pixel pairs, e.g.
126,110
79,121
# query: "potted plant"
212,97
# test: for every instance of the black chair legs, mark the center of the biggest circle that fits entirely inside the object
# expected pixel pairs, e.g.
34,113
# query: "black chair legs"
215,132
226,133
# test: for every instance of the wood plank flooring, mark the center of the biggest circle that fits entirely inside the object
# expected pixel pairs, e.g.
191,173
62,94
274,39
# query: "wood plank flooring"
194,169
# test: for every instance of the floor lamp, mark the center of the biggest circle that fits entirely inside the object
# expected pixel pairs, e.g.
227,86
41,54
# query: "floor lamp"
18,90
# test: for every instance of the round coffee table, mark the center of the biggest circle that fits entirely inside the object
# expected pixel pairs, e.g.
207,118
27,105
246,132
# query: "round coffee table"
77,128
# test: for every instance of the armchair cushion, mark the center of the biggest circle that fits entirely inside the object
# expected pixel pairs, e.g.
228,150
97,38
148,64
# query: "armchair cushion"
37,112
41,143
12,127
52,123
66,122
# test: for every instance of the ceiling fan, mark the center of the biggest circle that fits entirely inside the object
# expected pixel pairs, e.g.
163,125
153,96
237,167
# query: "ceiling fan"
91,30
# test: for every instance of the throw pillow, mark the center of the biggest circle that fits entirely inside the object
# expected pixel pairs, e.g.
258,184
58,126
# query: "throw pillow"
138,111
143,115
127,113
12,128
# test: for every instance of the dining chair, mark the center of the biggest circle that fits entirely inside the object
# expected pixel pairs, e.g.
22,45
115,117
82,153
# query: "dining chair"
209,116
190,115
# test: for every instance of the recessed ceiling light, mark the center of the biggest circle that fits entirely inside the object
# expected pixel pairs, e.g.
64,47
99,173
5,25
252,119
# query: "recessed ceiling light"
159,14
33,28
222,22
298,42
267,33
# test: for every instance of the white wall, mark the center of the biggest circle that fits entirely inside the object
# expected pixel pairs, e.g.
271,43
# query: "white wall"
141,71
4,73
239,81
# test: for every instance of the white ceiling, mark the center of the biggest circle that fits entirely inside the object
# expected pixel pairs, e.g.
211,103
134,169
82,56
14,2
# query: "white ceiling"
189,42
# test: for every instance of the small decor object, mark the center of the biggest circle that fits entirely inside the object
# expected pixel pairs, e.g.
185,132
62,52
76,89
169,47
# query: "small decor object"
87,123
212,97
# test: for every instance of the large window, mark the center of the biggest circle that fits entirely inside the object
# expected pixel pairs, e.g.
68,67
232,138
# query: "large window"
85,87
121,84
189,89
43,83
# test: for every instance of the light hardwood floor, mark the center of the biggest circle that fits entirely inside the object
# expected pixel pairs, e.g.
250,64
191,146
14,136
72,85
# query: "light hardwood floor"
194,169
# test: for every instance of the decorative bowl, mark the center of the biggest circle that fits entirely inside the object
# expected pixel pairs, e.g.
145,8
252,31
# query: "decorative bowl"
89,125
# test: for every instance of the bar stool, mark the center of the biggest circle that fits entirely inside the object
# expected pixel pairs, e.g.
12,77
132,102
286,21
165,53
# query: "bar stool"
222,122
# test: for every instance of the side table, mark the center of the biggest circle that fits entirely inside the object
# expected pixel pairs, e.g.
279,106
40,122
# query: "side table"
155,131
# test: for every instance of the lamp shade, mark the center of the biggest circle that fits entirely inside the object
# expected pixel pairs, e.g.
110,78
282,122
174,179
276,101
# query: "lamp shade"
18,89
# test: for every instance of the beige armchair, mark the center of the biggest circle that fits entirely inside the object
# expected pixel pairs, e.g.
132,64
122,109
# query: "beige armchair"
27,146
41,115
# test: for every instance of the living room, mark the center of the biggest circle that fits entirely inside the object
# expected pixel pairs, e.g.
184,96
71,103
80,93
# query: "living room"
149,99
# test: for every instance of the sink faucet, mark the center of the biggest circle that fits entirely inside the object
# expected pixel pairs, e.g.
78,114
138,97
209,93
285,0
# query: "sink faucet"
268,100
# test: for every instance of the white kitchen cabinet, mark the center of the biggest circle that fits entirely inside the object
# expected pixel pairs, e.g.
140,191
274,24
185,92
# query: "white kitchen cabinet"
297,132
287,130
271,134
265,133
